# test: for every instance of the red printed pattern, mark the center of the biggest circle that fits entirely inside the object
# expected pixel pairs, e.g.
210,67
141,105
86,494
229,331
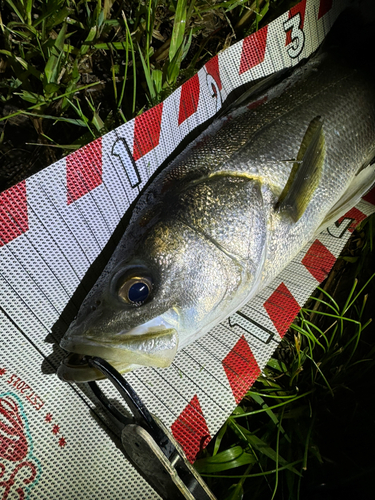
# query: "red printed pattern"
301,9
370,196
62,442
324,7
282,308
13,213
189,99
84,170
147,131
14,447
354,214
212,68
318,261
190,429
55,429
241,369
13,440
253,50
26,390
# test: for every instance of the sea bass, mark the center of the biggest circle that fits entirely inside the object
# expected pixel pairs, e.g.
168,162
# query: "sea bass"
227,215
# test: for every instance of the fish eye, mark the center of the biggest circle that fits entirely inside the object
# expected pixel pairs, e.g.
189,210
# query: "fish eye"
135,290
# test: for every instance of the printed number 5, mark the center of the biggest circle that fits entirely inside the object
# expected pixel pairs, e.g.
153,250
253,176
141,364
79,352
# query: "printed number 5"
297,35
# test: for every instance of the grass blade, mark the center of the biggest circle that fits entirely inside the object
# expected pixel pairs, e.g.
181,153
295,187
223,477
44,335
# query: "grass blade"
225,460
148,77
16,10
179,27
52,68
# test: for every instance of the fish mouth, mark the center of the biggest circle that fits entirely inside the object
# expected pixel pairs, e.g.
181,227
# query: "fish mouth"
153,344
75,368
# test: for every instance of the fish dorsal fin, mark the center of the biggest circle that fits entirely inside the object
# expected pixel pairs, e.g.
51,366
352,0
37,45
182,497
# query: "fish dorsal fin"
306,172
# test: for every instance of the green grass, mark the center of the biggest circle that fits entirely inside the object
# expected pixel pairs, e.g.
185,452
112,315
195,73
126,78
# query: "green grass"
274,445
72,70
61,59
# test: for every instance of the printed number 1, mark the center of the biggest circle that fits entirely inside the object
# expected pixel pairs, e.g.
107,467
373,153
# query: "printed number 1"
121,150
297,35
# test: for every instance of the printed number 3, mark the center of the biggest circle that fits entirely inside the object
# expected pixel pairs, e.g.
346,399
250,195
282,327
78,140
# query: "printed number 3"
297,35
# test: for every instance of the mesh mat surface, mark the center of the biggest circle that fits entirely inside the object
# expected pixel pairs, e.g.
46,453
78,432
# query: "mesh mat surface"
55,442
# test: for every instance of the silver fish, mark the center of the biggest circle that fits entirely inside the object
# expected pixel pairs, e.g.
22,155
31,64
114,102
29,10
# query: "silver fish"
227,215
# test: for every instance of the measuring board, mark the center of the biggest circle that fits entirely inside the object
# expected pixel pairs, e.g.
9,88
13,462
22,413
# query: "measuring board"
54,439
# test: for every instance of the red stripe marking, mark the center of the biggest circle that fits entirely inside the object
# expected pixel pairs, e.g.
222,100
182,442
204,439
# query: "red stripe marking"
318,261
212,68
354,214
13,213
324,7
190,429
299,8
189,99
282,308
241,368
370,196
147,131
253,50
84,170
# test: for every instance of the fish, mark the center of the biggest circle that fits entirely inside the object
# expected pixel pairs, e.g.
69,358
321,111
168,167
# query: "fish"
227,215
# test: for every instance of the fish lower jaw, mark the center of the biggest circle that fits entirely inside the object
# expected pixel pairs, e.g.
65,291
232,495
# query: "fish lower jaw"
156,350
75,368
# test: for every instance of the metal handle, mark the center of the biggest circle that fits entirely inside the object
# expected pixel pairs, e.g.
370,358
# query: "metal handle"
148,444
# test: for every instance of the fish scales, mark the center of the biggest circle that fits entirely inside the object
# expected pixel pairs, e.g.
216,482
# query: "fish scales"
215,227
225,209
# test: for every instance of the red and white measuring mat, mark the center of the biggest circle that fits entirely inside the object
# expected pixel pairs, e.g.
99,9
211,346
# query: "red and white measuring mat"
55,224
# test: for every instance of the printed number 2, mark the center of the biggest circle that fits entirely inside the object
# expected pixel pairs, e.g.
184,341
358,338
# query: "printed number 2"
297,35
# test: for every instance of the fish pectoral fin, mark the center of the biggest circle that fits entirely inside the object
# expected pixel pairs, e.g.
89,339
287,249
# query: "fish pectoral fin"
358,187
306,172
